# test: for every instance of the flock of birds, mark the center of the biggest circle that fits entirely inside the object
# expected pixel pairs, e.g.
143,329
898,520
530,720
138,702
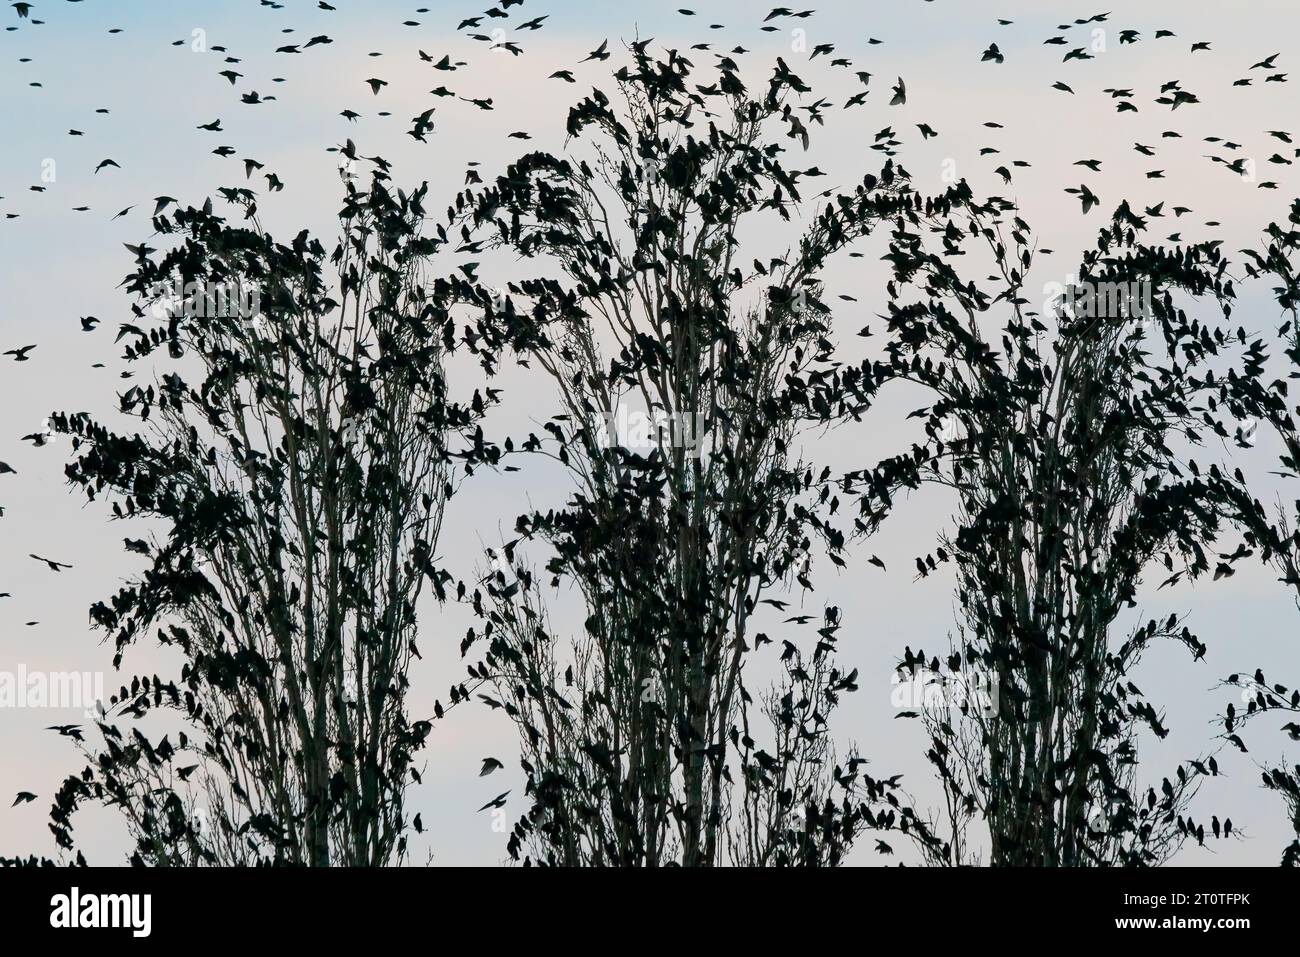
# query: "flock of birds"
503,28
504,24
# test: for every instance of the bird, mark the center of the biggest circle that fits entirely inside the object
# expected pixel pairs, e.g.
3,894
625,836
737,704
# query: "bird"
54,566
1086,197
20,354
489,765
497,802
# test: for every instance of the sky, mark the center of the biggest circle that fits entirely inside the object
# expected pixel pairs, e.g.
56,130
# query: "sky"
159,79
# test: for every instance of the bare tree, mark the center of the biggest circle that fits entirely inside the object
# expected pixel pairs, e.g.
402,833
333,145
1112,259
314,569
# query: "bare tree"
1272,533
1067,447
631,728
299,485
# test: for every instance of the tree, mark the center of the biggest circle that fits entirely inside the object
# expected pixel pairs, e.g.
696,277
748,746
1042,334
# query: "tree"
295,454
1068,449
1274,535
630,729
